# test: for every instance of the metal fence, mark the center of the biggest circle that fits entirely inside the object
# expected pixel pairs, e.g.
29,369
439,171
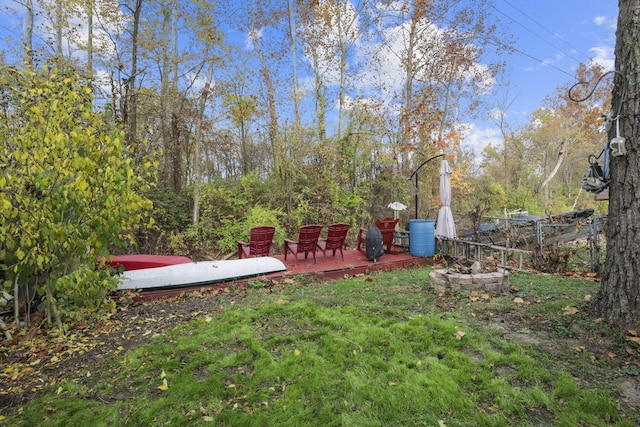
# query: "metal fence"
508,258
514,241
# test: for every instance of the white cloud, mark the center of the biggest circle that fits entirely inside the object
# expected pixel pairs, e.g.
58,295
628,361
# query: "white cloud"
600,20
604,56
478,138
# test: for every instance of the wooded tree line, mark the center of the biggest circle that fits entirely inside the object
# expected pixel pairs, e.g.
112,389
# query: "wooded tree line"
305,112
282,81
271,88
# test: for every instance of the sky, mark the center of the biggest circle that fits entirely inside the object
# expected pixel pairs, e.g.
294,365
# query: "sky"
552,38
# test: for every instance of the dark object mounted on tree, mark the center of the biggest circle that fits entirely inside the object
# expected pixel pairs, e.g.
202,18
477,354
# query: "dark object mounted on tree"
596,179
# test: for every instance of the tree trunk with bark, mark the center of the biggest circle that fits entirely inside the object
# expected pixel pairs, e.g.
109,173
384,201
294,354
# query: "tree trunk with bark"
132,93
167,142
27,33
90,9
618,301
274,137
562,154
197,174
294,66
58,27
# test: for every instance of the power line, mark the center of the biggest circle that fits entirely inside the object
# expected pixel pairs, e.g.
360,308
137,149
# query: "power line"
547,63
537,36
555,35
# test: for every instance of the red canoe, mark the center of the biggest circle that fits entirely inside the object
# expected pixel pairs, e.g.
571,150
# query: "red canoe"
141,261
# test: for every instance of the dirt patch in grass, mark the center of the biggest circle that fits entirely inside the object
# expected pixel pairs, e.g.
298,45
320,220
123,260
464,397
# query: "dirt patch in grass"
567,340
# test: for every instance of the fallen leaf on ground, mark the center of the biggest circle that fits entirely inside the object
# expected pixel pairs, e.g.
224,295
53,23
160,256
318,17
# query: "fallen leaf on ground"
634,339
569,310
164,386
460,334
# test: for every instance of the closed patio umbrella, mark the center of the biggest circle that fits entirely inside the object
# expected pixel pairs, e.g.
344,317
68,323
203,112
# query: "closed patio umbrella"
445,226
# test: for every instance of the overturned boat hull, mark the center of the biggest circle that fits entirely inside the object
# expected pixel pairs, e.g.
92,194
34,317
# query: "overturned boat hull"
140,261
199,273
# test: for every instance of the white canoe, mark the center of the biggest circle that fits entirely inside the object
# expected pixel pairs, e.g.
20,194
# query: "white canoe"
199,273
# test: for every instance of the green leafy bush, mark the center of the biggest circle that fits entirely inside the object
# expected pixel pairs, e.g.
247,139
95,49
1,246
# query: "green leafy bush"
228,211
230,230
85,292
171,213
68,187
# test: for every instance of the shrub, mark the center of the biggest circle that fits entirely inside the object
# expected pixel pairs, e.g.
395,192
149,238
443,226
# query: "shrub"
68,188
230,230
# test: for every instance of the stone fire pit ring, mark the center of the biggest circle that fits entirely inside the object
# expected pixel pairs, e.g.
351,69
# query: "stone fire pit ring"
444,281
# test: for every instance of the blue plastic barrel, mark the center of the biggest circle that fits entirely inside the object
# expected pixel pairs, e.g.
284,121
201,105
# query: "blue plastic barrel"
422,240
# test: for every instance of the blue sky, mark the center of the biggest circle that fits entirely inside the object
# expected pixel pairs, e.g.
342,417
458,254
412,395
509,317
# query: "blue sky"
552,37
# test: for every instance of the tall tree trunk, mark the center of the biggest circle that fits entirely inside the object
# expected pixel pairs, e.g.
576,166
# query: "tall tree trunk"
176,153
409,71
274,137
244,144
90,37
27,33
343,71
59,28
320,99
294,67
197,174
176,140
561,156
164,91
618,300
132,94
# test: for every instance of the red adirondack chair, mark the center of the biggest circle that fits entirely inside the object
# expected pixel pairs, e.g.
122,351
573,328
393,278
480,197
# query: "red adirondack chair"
260,240
307,242
387,227
336,235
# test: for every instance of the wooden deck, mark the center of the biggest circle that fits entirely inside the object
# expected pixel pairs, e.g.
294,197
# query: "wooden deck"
355,262
333,268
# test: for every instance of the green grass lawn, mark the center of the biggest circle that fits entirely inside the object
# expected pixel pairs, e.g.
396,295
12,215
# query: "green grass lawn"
380,350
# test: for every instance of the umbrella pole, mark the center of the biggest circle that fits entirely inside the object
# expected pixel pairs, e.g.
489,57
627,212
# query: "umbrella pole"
415,172
417,196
